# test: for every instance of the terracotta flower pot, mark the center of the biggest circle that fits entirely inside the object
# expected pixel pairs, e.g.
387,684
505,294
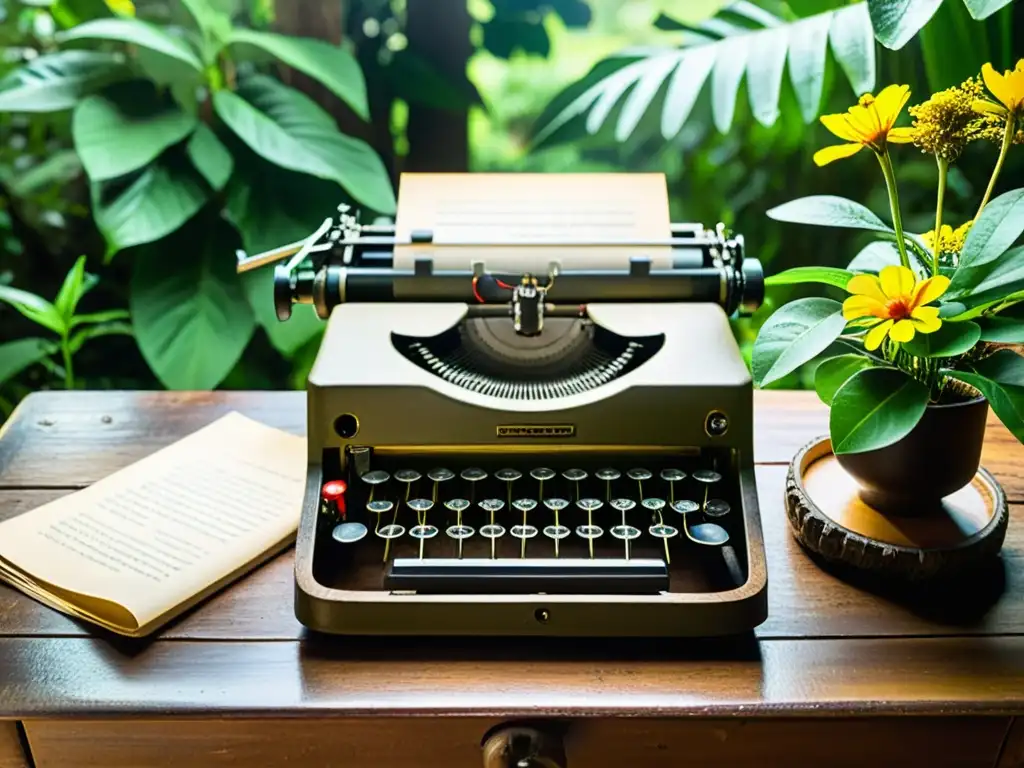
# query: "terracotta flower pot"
940,456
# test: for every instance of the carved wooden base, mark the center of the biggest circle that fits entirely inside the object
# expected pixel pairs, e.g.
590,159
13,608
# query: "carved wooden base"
830,520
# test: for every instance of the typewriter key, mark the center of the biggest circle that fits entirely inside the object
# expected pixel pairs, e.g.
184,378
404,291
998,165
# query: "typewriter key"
556,532
375,478
656,506
707,477
458,506
420,506
622,505
625,533
575,476
589,506
473,475
662,531
589,532
492,532
407,475
379,507
392,531
423,532
672,476
524,506
608,475
492,506
556,505
348,533
508,475
440,475
708,534
459,532
540,474
523,532
685,506
639,474
716,508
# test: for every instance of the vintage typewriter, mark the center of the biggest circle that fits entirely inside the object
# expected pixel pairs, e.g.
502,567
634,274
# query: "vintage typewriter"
538,436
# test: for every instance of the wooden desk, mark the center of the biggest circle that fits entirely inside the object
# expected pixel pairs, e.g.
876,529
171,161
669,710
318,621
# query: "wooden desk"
836,676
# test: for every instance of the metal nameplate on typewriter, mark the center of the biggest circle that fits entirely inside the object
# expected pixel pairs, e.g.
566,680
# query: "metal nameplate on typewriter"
528,415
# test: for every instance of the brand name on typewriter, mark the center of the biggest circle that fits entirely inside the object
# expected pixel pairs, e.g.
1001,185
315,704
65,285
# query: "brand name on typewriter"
536,430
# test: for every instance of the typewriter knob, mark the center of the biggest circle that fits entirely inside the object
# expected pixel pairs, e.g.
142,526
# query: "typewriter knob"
523,747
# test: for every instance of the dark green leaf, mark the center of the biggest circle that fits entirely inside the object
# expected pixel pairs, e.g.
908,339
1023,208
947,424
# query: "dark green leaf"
58,80
948,309
166,195
94,331
829,211
575,13
793,335
416,81
35,308
328,64
999,225
1000,378
853,43
994,281
982,9
288,129
875,408
71,291
502,36
687,81
56,169
640,98
808,46
210,157
191,318
126,127
952,28
950,340
825,275
765,66
897,21
832,373
134,32
1002,330
16,356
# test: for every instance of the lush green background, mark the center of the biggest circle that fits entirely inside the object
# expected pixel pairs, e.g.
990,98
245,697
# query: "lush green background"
471,88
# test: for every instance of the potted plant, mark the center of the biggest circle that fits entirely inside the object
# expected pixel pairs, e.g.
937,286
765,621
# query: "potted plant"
928,328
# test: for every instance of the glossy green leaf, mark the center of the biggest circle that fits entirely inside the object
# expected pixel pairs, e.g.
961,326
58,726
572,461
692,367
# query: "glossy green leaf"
71,291
57,81
78,339
765,66
808,49
832,373
210,157
982,9
1002,330
288,129
35,308
793,335
950,340
415,80
685,86
994,281
214,23
825,275
135,32
106,316
999,225
615,87
640,97
166,195
829,211
191,318
897,21
852,39
328,64
126,127
16,356
874,257
1000,378
875,408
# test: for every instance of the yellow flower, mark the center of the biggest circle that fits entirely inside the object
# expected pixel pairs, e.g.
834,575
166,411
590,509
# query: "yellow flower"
951,240
893,304
947,122
121,7
867,124
1008,88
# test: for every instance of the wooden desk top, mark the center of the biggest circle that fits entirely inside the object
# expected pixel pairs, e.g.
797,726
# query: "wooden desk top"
827,648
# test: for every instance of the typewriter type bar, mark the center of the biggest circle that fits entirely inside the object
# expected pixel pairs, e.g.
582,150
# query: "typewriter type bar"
569,576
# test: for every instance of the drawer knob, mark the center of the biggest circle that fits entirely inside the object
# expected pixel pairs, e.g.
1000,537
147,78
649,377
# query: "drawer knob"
523,747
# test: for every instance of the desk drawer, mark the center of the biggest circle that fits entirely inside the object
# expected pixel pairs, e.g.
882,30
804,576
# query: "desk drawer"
456,742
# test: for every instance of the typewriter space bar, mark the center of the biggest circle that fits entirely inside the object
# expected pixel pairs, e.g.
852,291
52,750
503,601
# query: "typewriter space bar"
566,576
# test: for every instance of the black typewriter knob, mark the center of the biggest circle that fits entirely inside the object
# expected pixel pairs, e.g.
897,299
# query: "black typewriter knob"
516,746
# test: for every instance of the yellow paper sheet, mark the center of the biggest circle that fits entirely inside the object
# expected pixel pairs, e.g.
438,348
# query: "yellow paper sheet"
140,546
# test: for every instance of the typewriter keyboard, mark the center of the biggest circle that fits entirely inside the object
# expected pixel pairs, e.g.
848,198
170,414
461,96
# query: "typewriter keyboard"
538,527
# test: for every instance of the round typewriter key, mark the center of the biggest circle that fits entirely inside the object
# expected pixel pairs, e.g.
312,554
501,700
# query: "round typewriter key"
473,474
508,475
492,505
459,532
589,505
457,505
590,532
556,532
716,508
420,505
574,475
423,531
662,531
654,505
492,531
685,506
379,507
622,505
348,533
376,477
708,534
607,474
392,531
672,475
524,505
440,475
556,504
523,531
407,475
625,532
639,474
542,474
706,476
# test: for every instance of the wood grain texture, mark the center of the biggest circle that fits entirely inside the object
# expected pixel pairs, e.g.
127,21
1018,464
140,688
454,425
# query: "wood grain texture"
376,677
12,755
412,743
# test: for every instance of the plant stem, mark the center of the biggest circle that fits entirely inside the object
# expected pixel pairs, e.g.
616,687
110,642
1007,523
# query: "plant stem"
940,197
894,204
69,373
1011,125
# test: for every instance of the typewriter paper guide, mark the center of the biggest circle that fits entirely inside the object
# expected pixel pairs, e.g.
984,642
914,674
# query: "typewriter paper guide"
598,213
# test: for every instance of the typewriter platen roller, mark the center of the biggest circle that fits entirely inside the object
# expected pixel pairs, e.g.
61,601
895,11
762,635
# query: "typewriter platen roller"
528,415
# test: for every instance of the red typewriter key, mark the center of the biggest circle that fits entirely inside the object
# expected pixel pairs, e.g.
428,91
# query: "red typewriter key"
333,495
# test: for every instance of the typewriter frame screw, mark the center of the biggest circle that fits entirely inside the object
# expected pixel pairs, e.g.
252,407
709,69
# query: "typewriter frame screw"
716,424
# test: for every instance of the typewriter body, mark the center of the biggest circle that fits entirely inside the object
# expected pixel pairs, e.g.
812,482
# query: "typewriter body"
516,438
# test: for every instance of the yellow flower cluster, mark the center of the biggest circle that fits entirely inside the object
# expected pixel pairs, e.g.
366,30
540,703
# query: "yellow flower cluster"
948,122
950,240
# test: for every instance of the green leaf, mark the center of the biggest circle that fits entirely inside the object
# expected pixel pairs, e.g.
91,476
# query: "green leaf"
59,168
190,314
210,157
1000,378
16,356
415,80
874,257
35,308
825,275
166,195
685,86
982,9
328,64
643,93
999,225
94,331
288,336
213,23
950,340
765,66
58,80
897,21
1002,330
832,373
71,291
794,334
829,211
994,281
730,63
126,127
875,408
853,43
134,32
107,316
808,49
288,129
